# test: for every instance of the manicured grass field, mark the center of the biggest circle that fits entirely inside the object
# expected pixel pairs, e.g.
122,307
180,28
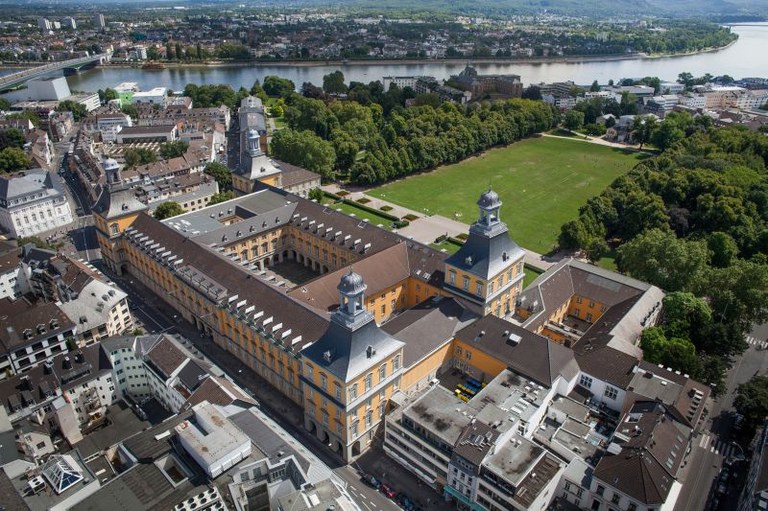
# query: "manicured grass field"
542,183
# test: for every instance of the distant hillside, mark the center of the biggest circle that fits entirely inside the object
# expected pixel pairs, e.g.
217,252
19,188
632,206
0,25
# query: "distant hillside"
600,8
732,9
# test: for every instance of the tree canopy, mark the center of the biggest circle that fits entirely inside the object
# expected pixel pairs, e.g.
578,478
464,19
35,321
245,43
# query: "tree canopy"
13,159
168,209
752,401
78,109
135,156
173,149
221,174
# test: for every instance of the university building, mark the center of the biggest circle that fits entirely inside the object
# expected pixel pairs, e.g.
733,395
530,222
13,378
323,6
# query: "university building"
495,396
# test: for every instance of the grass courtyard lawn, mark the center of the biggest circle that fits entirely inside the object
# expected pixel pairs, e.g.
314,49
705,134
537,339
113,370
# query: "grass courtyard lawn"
446,245
362,214
531,274
542,182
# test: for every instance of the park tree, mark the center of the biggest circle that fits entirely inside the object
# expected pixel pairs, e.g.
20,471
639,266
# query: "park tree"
107,95
752,401
687,316
275,86
130,110
686,79
258,91
723,248
220,173
305,149
333,83
168,209
532,92
173,149
642,129
13,159
574,120
674,352
5,105
660,258
666,135
78,109
595,87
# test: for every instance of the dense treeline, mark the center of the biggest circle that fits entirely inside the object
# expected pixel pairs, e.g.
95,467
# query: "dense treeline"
693,220
372,138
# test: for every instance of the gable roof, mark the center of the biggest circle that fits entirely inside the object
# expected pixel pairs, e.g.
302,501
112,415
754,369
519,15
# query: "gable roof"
427,326
166,357
524,352
380,271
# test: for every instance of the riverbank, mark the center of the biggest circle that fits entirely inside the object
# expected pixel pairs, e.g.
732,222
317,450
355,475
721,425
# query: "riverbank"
389,62
691,53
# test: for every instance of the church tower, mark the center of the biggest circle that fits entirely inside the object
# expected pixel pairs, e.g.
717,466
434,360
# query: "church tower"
488,269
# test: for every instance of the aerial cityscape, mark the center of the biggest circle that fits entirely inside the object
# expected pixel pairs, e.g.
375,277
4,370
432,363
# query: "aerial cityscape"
369,256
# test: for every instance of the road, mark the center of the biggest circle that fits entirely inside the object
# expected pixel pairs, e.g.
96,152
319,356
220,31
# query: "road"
155,316
713,445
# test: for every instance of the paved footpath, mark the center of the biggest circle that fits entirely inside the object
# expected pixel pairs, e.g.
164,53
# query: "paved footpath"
428,227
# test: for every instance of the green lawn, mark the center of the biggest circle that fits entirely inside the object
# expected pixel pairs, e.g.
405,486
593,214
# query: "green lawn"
446,245
362,214
531,274
542,182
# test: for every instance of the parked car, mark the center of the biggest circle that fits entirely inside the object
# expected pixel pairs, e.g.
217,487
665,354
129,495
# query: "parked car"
387,491
405,502
370,481
738,422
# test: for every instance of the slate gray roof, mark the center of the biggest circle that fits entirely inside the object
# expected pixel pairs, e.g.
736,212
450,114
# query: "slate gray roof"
348,349
118,201
166,357
486,256
642,469
427,326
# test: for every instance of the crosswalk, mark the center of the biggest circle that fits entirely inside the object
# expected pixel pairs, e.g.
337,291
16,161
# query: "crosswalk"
713,444
756,342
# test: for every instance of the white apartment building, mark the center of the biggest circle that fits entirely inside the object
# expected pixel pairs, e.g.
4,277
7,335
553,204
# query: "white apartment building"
33,202
155,96
99,311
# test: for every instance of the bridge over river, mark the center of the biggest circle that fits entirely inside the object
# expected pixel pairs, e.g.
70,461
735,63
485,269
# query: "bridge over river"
19,78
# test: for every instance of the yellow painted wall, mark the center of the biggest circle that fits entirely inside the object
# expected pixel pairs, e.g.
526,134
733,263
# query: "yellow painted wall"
585,308
271,180
426,367
481,361
381,304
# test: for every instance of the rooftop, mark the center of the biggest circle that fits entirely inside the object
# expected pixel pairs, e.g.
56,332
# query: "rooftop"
527,353
441,413
210,436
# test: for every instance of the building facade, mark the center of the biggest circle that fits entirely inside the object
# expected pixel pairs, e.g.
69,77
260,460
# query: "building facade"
32,203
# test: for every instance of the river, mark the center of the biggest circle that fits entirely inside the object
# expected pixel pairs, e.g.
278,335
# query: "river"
741,59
